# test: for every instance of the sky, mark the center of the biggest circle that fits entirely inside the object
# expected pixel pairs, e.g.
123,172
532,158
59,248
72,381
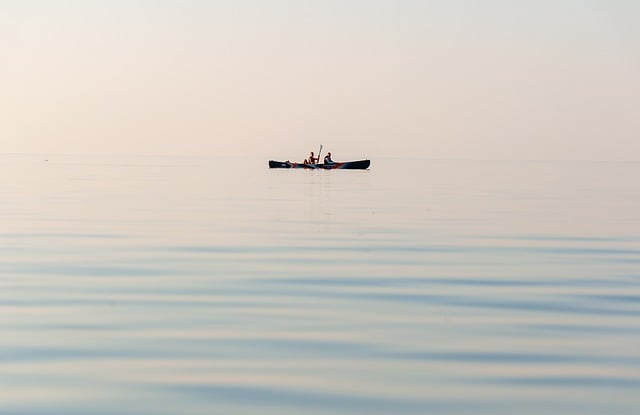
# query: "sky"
493,79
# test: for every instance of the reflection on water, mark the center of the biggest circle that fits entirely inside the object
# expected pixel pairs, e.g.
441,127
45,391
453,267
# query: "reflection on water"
150,285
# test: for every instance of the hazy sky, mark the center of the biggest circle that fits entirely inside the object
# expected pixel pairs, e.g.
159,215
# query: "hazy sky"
467,79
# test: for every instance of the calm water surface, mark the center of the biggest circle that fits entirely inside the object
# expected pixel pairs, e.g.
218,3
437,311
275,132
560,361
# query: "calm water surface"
165,285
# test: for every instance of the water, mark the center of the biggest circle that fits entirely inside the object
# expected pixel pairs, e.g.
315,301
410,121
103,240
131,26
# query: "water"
166,285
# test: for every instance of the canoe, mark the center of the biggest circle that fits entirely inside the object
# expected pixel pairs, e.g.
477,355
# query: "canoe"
351,165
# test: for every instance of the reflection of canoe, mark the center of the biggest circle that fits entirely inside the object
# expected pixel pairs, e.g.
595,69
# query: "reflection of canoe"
359,164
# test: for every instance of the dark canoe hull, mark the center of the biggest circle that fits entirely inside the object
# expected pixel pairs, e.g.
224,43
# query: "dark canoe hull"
348,165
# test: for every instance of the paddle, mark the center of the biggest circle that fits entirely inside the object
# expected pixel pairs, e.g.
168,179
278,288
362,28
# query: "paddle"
319,151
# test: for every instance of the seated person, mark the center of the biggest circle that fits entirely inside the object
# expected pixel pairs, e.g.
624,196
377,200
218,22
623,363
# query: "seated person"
311,160
327,159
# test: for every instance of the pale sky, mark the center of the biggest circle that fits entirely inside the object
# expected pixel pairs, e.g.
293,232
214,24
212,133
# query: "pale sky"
490,79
